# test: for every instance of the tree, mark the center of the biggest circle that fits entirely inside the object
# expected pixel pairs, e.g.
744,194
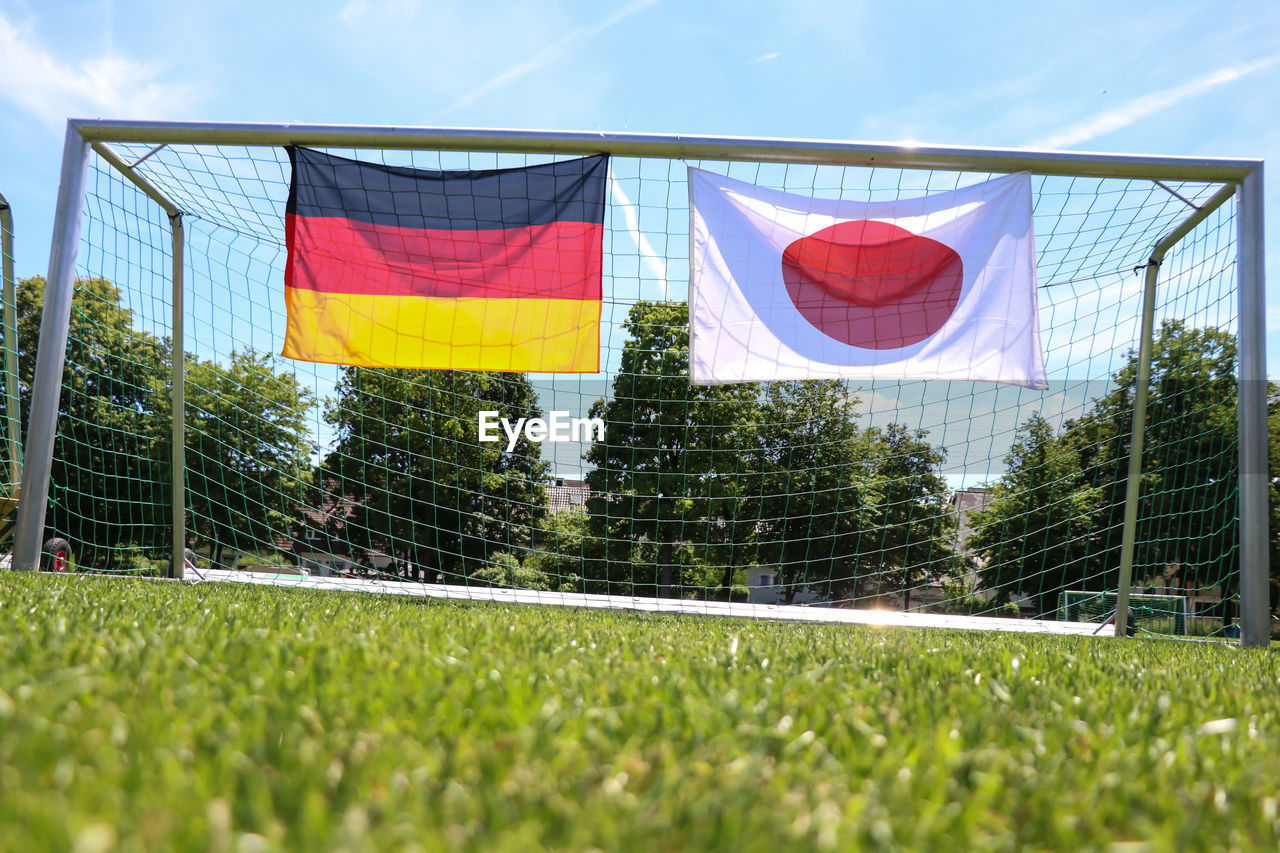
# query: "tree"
1061,505
1187,509
110,485
817,486
1273,481
248,451
505,570
247,447
560,545
420,482
675,461
1035,534
911,517
711,479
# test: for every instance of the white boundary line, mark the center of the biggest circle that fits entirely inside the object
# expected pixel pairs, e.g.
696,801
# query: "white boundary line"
778,612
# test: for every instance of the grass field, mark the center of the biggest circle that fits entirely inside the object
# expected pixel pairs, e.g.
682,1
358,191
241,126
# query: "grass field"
140,715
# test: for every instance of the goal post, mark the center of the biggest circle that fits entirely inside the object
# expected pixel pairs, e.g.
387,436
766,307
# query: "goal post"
13,420
216,236
51,356
1255,576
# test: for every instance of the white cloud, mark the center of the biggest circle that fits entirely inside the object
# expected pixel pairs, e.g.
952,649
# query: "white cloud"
354,11
878,408
548,54
765,58
1139,108
654,264
38,84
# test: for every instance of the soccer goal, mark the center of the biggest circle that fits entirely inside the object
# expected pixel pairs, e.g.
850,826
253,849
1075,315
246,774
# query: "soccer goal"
1153,613
178,423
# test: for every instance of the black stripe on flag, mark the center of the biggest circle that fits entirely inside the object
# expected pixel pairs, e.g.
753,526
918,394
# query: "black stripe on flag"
328,186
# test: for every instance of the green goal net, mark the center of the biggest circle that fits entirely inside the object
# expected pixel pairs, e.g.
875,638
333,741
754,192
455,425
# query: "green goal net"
1150,612
10,416
937,496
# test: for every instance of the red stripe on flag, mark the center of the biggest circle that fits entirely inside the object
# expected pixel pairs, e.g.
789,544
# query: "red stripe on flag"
559,260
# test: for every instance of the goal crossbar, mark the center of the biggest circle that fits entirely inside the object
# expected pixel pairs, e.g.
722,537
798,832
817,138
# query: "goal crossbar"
675,146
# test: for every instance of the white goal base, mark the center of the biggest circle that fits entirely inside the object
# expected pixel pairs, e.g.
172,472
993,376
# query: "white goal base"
777,612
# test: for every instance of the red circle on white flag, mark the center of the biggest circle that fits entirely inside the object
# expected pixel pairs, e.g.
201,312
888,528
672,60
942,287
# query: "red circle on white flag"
872,284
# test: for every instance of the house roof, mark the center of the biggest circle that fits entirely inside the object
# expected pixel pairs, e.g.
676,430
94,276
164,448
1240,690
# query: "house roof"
971,499
565,495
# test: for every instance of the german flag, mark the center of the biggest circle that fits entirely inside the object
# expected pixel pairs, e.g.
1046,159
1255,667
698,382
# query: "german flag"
459,270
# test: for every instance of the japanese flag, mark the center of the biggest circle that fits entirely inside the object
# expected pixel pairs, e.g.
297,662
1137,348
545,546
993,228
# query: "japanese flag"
784,286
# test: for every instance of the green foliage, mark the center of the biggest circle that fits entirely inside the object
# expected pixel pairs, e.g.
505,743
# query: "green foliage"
248,450
1056,518
1273,480
136,715
109,484
559,545
669,469
959,600
1008,610
696,482
506,571
1034,535
818,489
134,560
423,487
912,524
10,454
247,445
1187,514
266,560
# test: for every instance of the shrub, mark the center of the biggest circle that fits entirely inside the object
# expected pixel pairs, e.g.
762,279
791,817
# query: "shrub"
506,571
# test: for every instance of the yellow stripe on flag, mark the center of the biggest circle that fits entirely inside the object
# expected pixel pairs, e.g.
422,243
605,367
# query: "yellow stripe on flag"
448,333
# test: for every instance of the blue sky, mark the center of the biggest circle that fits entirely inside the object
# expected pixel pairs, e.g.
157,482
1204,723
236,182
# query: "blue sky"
1176,78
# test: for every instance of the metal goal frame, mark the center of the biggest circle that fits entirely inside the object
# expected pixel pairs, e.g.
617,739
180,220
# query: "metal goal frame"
1241,179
